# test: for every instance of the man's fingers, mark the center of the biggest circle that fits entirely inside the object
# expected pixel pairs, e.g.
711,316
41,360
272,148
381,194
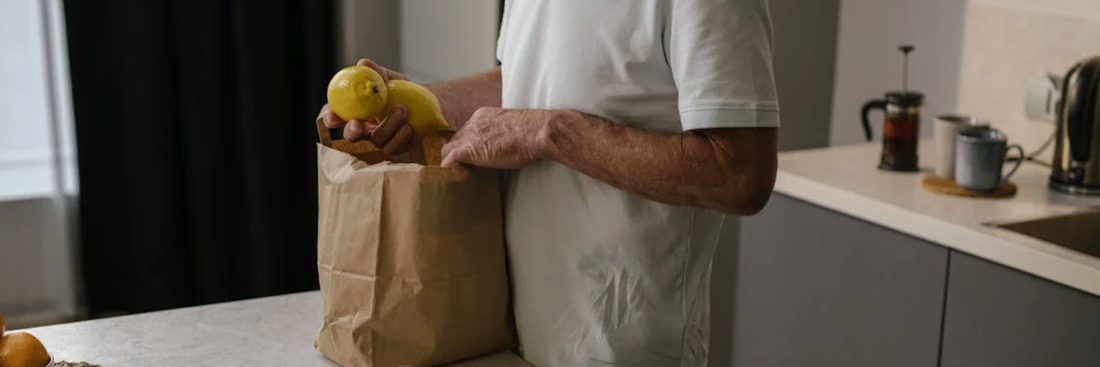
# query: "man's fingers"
454,153
400,141
446,153
450,145
356,130
324,111
386,74
329,118
385,132
403,148
448,160
332,121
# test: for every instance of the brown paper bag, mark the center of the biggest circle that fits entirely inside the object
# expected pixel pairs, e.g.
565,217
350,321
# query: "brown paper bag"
410,258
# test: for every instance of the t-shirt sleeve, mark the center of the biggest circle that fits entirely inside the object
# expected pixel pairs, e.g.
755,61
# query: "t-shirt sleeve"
503,33
720,52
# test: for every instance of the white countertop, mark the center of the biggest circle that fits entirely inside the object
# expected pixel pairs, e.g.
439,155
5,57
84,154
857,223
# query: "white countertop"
845,179
274,331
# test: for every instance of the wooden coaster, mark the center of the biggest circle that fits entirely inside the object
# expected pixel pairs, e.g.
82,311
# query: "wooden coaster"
938,185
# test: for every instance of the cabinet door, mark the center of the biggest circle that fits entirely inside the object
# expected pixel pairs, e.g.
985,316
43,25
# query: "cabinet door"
818,288
1000,317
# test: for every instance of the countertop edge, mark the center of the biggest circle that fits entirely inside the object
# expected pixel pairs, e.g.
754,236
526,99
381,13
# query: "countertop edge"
1024,254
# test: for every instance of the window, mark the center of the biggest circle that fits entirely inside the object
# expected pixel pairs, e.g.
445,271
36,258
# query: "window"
37,169
36,139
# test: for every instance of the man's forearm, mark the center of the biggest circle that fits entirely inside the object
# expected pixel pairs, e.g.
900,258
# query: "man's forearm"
694,169
459,98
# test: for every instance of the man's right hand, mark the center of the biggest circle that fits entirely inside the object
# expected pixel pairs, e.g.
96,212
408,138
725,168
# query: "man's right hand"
393,135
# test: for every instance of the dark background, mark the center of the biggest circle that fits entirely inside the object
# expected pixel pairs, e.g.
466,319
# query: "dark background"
196,147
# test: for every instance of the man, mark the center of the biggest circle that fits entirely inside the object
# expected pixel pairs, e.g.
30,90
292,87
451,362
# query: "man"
632,127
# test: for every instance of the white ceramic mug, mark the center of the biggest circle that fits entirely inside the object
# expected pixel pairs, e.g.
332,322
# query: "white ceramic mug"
946,128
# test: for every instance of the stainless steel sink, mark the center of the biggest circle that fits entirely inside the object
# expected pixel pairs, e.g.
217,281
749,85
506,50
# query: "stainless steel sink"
1079,232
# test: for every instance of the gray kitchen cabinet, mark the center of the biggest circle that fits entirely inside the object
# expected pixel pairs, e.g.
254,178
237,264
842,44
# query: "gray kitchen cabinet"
1000,317
818,288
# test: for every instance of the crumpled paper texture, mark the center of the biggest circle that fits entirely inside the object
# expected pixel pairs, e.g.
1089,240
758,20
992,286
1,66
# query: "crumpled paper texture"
411,263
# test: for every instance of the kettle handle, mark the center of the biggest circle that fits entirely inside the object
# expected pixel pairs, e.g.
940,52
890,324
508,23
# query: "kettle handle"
1080,113
874,104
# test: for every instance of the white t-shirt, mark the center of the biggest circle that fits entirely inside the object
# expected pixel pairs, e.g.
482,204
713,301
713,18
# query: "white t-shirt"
603,277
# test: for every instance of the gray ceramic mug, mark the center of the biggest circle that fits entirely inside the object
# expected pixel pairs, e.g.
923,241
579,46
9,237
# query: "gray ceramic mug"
979,159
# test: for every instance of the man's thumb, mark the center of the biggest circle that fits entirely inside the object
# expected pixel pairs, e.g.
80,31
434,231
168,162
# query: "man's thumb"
448,160
453,157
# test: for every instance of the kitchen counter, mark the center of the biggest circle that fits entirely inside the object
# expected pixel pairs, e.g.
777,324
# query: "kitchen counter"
273,331
845,179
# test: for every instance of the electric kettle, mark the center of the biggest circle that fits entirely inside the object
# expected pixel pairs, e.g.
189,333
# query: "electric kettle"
1076,166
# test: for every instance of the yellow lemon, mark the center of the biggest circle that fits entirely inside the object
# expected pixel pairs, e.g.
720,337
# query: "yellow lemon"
357,93
22,350
424,113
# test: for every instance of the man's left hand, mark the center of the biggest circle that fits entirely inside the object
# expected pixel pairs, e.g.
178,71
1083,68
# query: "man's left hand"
498,138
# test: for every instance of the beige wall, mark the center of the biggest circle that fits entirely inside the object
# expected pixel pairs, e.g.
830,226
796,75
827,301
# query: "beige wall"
1009,41
368,28
442,40
428,40
1077,8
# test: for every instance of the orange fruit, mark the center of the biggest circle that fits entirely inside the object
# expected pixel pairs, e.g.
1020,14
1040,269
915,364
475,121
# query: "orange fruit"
22,350
3,326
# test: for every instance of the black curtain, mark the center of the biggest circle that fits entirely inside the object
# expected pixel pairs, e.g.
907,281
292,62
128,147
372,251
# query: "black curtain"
195,136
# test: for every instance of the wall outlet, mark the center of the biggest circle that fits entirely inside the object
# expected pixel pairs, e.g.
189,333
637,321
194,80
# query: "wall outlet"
1041,103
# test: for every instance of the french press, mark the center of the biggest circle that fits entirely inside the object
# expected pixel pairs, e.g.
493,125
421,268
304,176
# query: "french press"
901,126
